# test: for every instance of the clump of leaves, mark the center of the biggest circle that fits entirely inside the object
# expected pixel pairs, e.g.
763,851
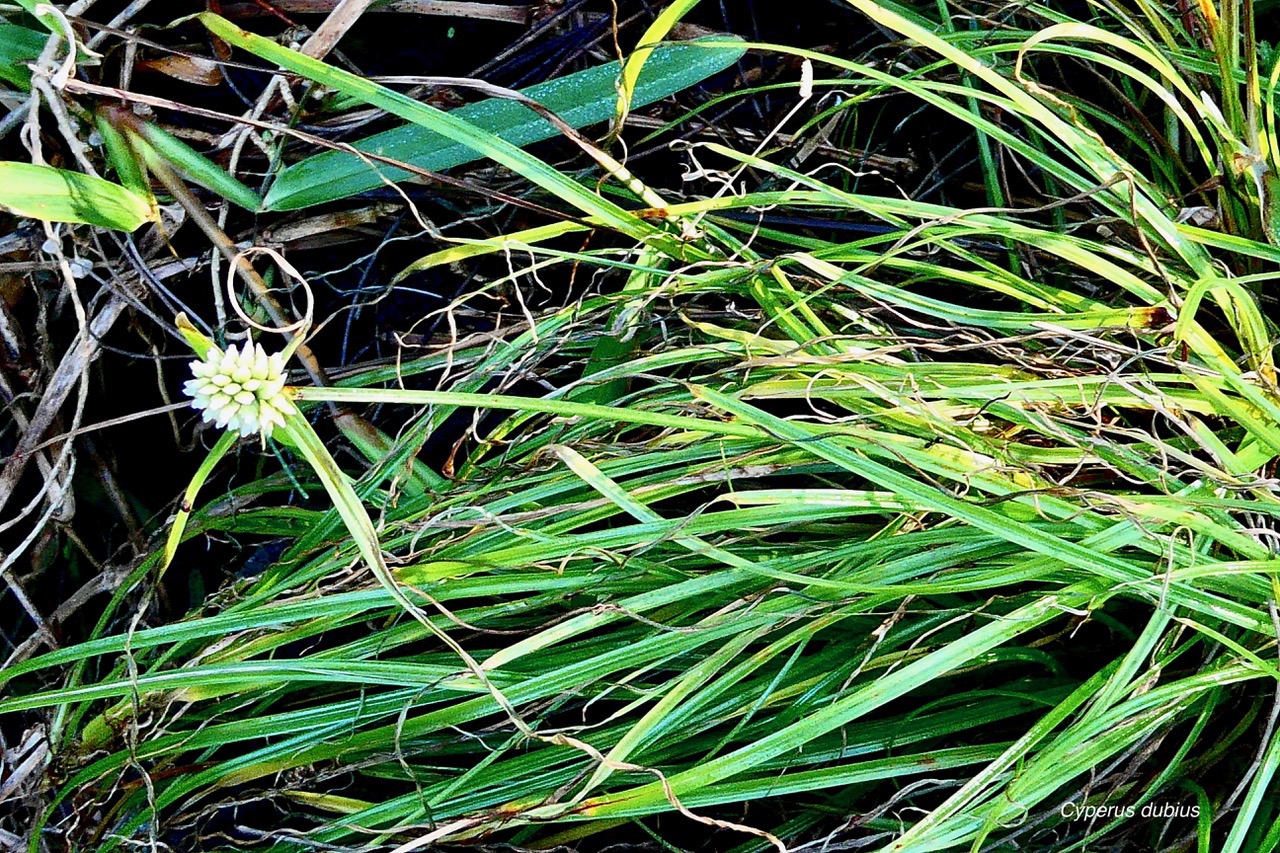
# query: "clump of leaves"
966,519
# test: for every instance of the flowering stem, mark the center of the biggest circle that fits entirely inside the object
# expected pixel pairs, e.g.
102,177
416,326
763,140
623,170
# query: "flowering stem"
225,443
562,408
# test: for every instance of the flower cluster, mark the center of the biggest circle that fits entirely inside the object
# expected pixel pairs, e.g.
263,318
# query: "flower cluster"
241,389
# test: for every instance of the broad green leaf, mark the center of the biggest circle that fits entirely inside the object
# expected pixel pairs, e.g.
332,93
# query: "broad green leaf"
58,195
568,190
581,99
18,46
43,17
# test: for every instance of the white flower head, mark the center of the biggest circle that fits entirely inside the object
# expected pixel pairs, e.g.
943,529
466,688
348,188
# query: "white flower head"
241,389
806,80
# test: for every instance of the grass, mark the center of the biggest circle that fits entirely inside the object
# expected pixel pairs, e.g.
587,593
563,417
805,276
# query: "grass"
927,539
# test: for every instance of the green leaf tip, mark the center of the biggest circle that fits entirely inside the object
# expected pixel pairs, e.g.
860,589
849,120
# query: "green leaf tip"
60,195
199,342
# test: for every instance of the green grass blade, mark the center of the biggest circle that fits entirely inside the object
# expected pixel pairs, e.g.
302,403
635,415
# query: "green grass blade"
198,168
1261,795
644,53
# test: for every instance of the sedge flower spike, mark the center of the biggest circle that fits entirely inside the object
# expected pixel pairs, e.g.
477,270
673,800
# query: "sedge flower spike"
241,389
